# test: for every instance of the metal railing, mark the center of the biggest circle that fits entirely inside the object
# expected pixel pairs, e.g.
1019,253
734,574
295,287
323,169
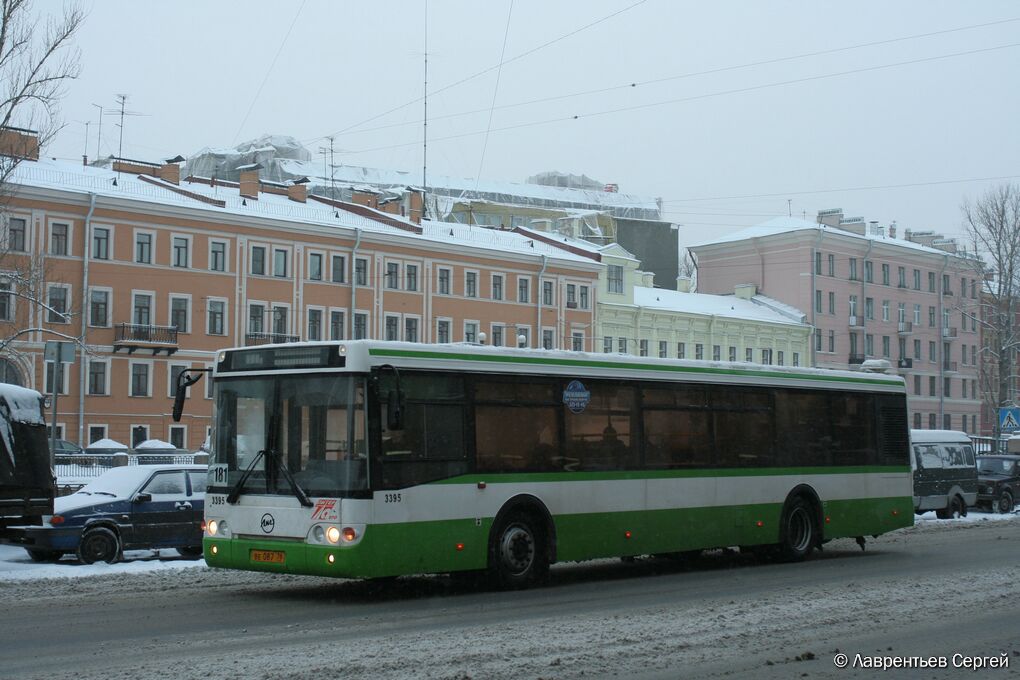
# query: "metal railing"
132,332
75,470
948,332
949,366
269,338
905,327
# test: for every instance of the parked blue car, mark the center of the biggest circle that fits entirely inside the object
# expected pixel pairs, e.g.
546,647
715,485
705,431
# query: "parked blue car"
127,508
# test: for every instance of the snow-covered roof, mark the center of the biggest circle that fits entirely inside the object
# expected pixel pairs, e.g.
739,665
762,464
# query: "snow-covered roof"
786,225
709,305
23,404
106,444
938,436
75,178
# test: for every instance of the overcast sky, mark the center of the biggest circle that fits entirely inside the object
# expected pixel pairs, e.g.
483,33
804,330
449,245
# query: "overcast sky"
732,100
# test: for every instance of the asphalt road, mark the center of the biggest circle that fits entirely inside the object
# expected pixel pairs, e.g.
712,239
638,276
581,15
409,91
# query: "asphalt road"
928,591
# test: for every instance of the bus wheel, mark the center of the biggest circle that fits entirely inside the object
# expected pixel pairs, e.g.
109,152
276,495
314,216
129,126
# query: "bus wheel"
43,555
190,551
517,556
797,530
99,545
956,508
1005,502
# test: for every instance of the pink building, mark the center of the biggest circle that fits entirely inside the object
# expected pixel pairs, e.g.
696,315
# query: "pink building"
912,300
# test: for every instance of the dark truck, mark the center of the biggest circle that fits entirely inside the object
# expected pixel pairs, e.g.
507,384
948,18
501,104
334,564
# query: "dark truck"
27,485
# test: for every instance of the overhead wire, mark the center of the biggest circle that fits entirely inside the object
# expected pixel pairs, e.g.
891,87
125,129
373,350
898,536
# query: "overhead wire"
495,91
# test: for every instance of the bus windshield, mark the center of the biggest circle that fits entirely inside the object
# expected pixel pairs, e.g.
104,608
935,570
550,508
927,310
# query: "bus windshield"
313,427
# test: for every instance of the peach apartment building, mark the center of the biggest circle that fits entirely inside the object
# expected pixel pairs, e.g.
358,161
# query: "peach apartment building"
910,300
173,270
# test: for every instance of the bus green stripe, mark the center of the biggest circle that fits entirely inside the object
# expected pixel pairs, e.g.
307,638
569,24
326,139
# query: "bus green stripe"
521,477
583,363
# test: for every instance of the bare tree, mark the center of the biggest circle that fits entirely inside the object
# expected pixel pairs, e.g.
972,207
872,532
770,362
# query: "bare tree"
993,223
37,60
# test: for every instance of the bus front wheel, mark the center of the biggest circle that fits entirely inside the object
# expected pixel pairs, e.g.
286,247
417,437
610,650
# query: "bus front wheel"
517,555
798,531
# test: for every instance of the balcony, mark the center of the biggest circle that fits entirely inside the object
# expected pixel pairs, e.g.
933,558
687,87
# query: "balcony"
856,359
948,332
905,327
949,367
132,337
856,321
251,339
905,363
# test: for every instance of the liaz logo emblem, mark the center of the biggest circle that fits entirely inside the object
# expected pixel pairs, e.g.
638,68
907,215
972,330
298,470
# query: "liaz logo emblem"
268,523
326,510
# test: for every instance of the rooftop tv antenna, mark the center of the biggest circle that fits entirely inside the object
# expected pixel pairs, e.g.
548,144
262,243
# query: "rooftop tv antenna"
100,138
122,100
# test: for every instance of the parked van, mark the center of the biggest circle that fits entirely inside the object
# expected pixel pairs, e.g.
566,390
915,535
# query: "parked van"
945,472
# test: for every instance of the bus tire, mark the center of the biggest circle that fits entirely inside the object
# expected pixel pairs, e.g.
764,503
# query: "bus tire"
957,508
798,531
99,545
518,557
1005,502
190,551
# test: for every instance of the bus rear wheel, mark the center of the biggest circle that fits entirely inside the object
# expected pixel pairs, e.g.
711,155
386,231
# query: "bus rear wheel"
798,530
517,553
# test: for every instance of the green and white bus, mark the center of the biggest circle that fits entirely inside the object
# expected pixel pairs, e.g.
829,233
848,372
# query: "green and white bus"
372,459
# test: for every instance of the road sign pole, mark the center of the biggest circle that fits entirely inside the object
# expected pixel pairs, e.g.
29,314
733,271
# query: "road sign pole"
57,380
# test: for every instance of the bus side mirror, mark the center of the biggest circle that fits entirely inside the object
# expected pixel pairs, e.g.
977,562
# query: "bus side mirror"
184,381
394,414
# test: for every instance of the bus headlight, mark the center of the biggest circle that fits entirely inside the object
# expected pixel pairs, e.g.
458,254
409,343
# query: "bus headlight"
333,535
213,526
218,527
318,534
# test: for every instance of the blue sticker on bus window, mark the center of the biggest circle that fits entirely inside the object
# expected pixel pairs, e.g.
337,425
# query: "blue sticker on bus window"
576,396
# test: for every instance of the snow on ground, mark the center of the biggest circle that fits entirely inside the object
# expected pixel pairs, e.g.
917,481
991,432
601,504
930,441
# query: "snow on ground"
15,564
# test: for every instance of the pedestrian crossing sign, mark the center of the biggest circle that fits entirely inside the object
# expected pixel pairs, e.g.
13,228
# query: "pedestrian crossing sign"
1009,420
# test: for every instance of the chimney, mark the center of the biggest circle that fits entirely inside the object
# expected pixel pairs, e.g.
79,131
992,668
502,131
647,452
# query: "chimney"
170,171
892,229
647,279
745,291
19,143
683,284
249,180
366,198
297,191
415,205
831,217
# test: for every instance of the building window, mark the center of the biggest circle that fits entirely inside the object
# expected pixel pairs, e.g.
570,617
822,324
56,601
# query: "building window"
818,339
281,320
339,272
853,269
444,281
443,331
411,277
497,336
62,381
642,348
885,310
393,275
869,308
571,296
917,279
901,273
818,263
716,353
216,314
749,354
360,326
947,421
663,349
97,432
16,233
885,275
139,380
258,260
256,318
622,343
361,272
733,353
497,286
766,356
179,313
931,282
280,263
917,421
547,292
177,436
471,284
885,346
392,331
869,344
577,342
180,248
523,291
931,316
336,325
607,344
931,421
699,351
796,358
315,266
869,271
470,331
58,303
547,339
931,386
100,243
832,342
315,324
681,350
99,308
142,309
583,290
58,239
614,278
780,361
217,256
410,330
97,377
6,302
143,248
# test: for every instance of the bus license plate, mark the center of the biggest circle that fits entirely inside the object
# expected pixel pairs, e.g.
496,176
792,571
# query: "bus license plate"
272,556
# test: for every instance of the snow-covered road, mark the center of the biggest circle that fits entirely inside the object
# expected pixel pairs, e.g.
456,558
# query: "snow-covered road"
939,587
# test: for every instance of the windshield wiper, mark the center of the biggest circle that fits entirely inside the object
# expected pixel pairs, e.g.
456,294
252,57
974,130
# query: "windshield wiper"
299,493
235,492
105,493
